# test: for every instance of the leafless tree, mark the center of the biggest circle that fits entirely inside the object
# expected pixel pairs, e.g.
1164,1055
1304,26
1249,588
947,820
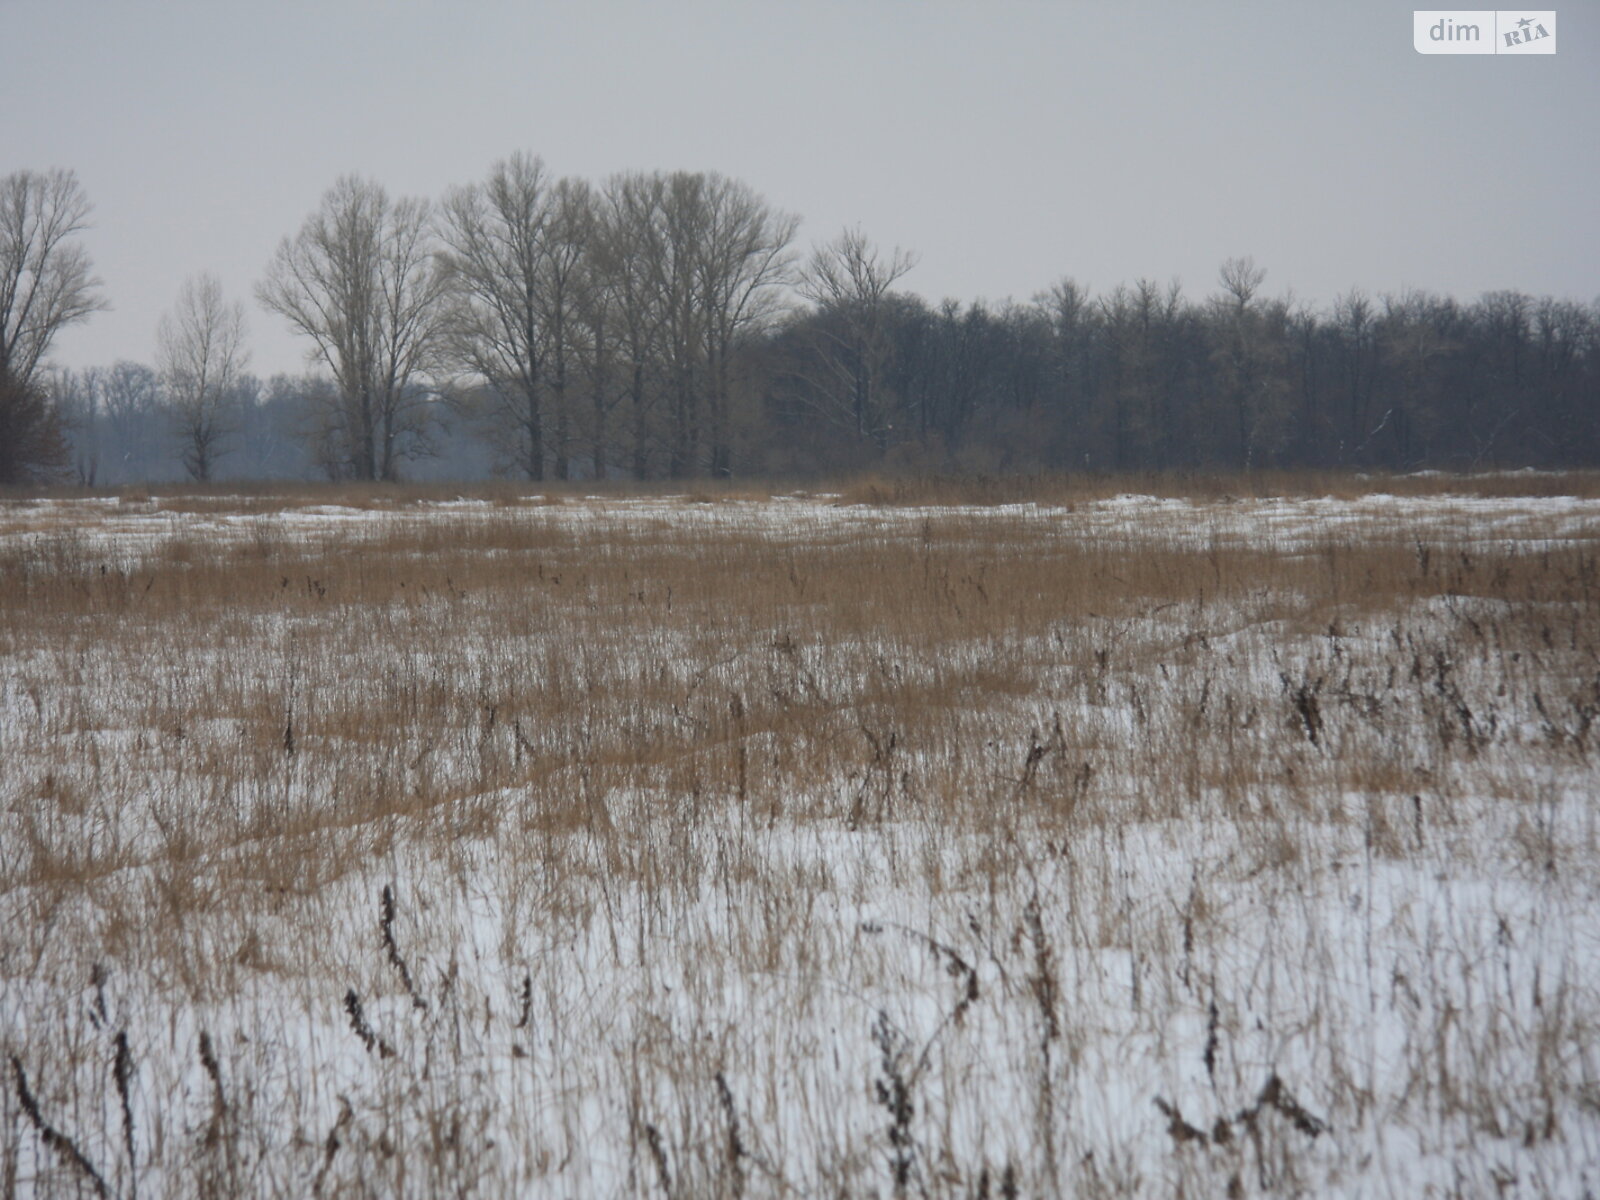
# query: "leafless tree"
849,280
494,235
361,281
630,214
1248,360
1073,321
1139,323
200,353
688,265
1414,336
671,244
568,301
600,331
741,264
46,284
1353,332
1240,279
515,249
568,239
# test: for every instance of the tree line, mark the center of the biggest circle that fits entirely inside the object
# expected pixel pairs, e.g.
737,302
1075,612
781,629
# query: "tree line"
1142,377
667,325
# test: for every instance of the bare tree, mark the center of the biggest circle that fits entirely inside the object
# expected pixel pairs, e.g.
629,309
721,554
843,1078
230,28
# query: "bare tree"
741,263
601,331
200,354
561,278
627,235
691,264
46,284
360,280
494,234
1240,279
671,244
1074,321
850,281
1414,336
1353,332
1249,360
1139,325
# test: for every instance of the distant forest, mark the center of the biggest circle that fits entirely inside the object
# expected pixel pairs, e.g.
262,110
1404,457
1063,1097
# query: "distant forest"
667,326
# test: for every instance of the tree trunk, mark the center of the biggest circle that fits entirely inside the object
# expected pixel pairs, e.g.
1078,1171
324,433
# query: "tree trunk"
641,462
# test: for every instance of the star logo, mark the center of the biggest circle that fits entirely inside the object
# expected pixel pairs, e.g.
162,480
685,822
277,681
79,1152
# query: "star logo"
1525,22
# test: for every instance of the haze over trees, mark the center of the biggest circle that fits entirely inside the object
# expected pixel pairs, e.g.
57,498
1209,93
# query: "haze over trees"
120,429
667,325
663,325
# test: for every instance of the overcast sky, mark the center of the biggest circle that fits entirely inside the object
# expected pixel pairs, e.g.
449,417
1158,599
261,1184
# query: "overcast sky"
1008,143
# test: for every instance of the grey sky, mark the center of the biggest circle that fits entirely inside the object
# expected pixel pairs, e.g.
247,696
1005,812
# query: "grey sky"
1006,142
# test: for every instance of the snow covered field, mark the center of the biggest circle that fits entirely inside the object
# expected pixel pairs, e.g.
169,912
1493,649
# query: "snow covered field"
790,848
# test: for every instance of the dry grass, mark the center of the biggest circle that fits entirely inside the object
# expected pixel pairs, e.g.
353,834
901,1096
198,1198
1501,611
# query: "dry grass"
902,489
1207,486
769,848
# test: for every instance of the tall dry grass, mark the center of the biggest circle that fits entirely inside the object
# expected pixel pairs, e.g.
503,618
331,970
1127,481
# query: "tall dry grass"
763,848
